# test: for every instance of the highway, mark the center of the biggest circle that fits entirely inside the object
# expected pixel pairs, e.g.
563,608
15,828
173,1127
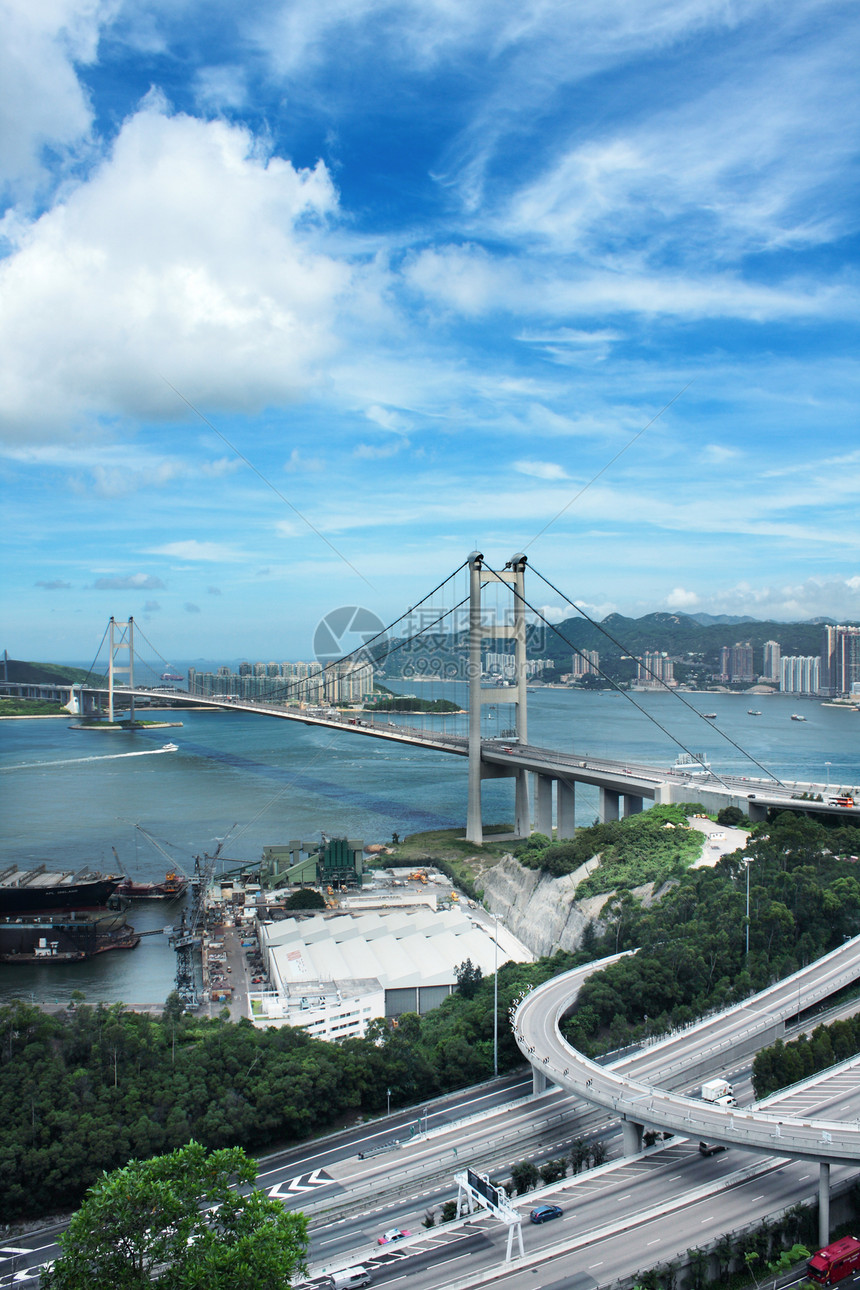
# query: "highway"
351,1200
636,1091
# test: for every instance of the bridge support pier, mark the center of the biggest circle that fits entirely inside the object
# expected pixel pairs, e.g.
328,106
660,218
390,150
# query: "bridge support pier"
632,804
631,1133
824,1203
522,815
543,805
565,809
539,1081
609,802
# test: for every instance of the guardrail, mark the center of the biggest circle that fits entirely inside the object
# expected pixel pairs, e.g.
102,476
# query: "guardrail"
537,1032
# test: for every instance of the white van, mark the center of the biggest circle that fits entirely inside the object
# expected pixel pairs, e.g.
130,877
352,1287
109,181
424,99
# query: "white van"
348,1278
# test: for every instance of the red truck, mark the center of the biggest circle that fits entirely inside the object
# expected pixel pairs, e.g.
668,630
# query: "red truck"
835,1262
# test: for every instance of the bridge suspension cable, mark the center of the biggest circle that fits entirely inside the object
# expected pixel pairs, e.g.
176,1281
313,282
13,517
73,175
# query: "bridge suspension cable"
285,691
625,693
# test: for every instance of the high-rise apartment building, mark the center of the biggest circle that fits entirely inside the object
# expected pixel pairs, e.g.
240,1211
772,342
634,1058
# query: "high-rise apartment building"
741,662
655,670
586,663
840,659
770,662
800,674
725,656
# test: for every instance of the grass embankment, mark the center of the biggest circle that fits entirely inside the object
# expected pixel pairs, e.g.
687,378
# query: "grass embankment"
652,846
447,849
31,708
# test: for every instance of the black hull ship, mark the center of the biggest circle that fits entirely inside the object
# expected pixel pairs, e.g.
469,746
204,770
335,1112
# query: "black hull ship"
27,891
64,937
51,916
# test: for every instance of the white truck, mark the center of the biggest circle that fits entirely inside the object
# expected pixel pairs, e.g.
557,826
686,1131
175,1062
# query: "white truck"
718,1091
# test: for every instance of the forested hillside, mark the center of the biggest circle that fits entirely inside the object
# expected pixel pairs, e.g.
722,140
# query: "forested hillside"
679,635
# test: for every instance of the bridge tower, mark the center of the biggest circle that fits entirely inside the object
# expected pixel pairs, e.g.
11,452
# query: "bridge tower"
479,575
121,638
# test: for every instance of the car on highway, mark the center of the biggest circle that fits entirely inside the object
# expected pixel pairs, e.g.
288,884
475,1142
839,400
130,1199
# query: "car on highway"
711,1148
393,1234
543,1213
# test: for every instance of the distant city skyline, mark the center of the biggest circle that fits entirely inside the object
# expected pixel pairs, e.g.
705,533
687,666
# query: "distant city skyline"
300,303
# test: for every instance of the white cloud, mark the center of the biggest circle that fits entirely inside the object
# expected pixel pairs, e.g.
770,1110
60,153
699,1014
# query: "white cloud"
133,278
718,453
221,87
206,552
816,597
377,452
42,104
298,462
466,278
132,582
681,599
389,419
541,469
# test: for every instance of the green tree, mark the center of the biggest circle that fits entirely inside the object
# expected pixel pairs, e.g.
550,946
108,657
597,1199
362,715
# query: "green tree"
190,1220
553,1170
524,1176
469,977
305,898
732,816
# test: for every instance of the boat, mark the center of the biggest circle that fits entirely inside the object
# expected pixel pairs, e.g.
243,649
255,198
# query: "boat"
710,716
169,747
173,886
752,712
42,890
64,936
795,717
171,675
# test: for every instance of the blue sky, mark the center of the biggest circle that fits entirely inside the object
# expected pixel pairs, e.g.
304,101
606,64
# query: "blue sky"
430,268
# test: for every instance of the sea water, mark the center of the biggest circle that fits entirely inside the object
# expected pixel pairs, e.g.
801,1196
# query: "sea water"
70,797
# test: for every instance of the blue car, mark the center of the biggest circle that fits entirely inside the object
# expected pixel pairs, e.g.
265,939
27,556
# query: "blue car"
543,1213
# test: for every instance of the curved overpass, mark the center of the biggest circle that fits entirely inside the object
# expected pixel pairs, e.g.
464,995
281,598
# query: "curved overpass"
639,1100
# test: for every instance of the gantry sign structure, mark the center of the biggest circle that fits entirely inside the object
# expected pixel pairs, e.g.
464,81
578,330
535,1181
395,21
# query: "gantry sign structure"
476,1189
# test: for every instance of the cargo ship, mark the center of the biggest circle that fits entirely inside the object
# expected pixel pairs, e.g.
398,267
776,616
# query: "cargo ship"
173,886
41,890
64,937
60,915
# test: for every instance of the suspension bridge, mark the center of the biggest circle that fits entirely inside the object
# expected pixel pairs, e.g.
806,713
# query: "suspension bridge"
495,608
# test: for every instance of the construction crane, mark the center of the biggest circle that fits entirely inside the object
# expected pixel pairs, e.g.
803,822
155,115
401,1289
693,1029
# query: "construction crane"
186,937
155,842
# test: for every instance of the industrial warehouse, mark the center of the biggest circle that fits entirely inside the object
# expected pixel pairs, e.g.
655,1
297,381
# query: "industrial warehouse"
333,973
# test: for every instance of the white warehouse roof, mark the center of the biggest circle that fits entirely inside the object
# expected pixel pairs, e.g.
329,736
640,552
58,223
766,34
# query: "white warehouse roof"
400,949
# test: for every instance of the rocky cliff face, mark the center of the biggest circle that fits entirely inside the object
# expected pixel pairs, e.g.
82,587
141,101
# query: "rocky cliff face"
541,911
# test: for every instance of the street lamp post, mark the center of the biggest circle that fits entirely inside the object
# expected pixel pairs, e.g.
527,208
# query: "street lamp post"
388,1095
747,863
496,997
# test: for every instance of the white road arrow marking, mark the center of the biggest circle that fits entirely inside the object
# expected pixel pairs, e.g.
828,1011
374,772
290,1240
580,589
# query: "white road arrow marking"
304,1182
